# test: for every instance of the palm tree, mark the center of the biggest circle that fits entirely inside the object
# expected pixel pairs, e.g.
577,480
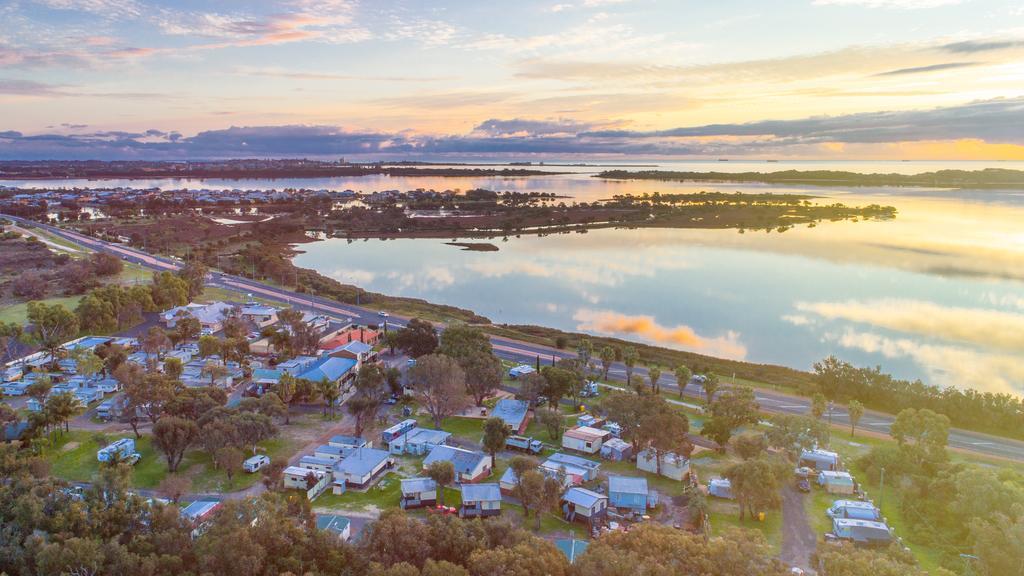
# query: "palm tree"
654,374
285,389
683,375
856,410
629,358
63,407
329,391
710,386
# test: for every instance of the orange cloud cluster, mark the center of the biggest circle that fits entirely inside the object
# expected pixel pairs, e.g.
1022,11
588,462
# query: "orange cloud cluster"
647,328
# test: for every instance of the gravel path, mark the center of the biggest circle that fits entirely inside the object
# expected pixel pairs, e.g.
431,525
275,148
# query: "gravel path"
798,539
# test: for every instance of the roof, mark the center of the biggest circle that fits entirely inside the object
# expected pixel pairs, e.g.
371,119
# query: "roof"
508,477
330,368
357,347
199,508
481,492
266,374
569,459
258,310
835,477
332,522
316,461
302,472
616,444
415,485
426,436
572,548
346,440
512,412
464,461
583,497
362,461
328,449
586,433
852,504
819,455
627,484
861,530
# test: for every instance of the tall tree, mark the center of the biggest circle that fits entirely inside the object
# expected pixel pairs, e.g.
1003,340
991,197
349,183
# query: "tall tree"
663,431
483,375
630,357
443,473
173,368
10,336
329,392
417,339
710,386
229,459
683,375
50,326
818,405
654,374
63,407
367,398
215,370
607,358
194,275
756,484
209,346
440,385
584,352
856,412
461,341
173,436
186,329
155,342
733,408
286,389
495,434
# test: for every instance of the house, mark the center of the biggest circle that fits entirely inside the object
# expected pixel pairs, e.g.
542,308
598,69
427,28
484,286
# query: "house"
349,442
616,449
338,525
199,514
578,469
266,379
862,532
590,421
509,480
418,493
521,371
584,439
360,468
15,388
354,350
210,316
332,453
584,505
297,365
418,441
854,509
111,408
630,493
572,548
837,482
259,314
315,463
397,430
311,481
514,413
480,500
469,466
331,369
348,335
819,460
721,488
672,465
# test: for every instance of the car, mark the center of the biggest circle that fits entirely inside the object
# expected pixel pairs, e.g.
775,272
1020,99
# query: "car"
383,314
392,400
803,485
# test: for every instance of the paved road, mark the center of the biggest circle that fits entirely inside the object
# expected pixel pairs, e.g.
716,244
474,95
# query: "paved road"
771,401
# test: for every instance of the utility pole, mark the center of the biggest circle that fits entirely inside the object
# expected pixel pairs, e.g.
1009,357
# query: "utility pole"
830,406
881,490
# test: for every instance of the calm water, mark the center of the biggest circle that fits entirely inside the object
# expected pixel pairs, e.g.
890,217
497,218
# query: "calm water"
936,294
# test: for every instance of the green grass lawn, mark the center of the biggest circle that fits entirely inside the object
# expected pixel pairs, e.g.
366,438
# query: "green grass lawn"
471,429
18,313
724,514
385,494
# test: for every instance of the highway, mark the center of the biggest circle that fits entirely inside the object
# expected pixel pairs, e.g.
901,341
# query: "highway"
518,351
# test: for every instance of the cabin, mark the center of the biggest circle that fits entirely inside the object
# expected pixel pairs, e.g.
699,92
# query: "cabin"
480,500
854,509
469,466
334,524
349,442
721,488
819,460
616,449
418,493
311,481
837,482
360,468
355,350
862,532
584,439
397,430
419,441
199,515
578,469
337,370
587,506
672,465
333,453
314,463
259,314
629,493
514,413
210,316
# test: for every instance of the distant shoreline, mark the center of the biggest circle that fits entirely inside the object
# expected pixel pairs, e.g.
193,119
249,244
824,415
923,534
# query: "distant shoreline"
987,178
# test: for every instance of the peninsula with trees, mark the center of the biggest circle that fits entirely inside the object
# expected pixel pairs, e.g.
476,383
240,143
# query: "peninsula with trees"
987,178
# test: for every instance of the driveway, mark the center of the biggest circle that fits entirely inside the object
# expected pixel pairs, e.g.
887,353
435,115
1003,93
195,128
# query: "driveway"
798,539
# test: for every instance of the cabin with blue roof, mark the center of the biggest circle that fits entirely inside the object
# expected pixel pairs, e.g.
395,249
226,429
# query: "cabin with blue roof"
587,506
514,413
419,441
480,500
418,493
629,493
362,467
469,466
331,369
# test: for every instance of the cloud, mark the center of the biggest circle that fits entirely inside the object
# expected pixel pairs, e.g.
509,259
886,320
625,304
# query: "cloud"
975,46
28,88
309,75
495,127
892,4
113,9
945,365
989,329
929,68
648,329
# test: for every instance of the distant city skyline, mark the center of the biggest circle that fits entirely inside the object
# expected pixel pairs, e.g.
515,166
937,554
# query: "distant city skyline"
809,79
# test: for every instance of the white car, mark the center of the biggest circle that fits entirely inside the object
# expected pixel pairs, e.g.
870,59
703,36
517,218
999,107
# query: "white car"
383,314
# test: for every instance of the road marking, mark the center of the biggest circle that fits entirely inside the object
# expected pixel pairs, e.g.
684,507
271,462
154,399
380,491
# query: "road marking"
789,406
877,423
982,443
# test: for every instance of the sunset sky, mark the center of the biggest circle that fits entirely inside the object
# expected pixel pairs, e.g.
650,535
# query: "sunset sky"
888,79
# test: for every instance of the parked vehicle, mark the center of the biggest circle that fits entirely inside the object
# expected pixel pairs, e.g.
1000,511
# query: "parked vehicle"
803,485
590,390
255,463
121,450
524,444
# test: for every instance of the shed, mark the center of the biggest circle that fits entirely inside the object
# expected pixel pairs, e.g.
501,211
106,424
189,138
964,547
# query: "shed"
672,465
579,469
335,524
418,441
508,481
628,492
584,439
836,482
361,467
514,413
480,500
616,449
721,488
418,493
469,466
819,459
584,505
